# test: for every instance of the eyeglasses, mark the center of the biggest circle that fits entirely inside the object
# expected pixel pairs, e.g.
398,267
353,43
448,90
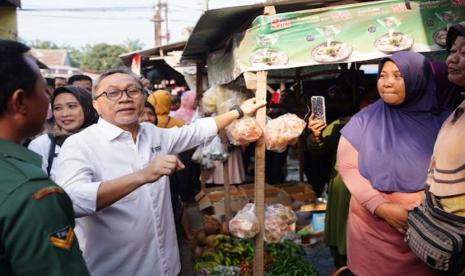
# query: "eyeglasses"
116,94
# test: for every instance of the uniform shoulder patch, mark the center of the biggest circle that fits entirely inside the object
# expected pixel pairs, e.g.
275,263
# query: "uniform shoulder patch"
63,238
38,195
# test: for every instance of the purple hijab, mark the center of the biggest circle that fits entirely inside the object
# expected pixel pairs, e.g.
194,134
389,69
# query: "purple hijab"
395,143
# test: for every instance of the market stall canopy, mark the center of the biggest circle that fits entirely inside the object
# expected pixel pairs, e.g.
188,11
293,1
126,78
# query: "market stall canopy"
158,63
159,70
147,54
332,35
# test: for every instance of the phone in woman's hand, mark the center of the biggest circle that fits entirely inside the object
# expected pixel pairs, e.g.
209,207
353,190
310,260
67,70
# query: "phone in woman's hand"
318,107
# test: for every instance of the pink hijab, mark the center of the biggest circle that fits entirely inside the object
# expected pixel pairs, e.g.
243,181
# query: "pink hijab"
187,109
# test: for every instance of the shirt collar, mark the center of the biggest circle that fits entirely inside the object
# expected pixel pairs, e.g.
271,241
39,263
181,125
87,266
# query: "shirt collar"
111,131
10,149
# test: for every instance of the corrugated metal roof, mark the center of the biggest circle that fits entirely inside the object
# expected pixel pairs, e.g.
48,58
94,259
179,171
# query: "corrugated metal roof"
177,46
215,27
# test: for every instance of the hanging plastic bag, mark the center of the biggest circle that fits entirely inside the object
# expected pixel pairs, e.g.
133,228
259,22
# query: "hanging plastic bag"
243,131
207,153
216,150
245,224
282,131
229,99
219,99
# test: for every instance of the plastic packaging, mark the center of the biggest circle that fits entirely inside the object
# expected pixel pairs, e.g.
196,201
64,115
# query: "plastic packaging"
207,153
230,99
275,229
220,99
245,224
199,158
244,131
215,150
282,131
278,219
282,212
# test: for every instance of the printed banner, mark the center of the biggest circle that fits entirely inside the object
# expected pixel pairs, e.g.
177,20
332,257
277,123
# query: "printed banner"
346,33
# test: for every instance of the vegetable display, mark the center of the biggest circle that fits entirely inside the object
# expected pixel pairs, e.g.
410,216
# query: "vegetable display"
233,256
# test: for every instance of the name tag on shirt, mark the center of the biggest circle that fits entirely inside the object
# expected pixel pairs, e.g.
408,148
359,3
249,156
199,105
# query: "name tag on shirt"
156,149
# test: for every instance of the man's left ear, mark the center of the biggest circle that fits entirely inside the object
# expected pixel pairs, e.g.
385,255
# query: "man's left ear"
17,102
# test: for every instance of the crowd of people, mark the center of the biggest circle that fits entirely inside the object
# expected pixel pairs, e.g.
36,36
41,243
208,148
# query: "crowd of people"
113,193
389,153
102,185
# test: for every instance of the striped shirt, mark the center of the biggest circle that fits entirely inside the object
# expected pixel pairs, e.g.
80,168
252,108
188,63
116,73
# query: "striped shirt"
446,176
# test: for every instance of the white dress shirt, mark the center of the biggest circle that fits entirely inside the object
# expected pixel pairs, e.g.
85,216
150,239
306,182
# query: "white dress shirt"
41,145
136,235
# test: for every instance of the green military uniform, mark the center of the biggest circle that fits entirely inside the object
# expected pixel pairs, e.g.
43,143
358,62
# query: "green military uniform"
36,219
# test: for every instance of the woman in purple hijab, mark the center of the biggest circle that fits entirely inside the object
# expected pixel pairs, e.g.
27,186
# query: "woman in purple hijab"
383,157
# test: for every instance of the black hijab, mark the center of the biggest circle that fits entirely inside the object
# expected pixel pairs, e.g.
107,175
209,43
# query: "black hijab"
85,100
452,33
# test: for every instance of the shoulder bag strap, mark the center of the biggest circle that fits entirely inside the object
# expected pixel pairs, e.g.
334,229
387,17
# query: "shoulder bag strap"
51,152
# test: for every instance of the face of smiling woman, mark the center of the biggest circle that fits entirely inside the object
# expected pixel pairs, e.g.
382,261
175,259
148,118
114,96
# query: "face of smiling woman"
68,112
391,86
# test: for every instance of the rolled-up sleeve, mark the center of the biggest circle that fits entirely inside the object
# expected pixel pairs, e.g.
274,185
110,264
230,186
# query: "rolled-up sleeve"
189,136
359,187
73,171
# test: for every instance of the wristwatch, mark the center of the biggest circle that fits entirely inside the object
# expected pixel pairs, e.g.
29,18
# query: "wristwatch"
239,110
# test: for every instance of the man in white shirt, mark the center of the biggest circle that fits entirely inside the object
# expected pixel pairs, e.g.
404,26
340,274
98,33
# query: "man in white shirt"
116,174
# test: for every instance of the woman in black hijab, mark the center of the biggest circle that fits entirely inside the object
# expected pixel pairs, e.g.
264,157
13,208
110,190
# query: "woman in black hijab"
73,111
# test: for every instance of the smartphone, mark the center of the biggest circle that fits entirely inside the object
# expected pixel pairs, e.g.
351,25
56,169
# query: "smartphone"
318,107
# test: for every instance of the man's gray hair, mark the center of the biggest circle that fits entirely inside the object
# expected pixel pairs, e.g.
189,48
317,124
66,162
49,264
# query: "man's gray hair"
111,71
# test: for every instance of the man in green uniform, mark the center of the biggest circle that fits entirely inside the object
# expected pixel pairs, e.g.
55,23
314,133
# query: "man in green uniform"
36,216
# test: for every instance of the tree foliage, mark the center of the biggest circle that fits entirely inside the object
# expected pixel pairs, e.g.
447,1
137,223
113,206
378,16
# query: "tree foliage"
134,44
93,58
43,44
102,56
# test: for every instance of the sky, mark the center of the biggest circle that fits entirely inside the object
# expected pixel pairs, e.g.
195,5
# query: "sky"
80,22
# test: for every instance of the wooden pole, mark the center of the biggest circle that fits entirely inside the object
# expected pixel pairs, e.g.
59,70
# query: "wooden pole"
259,269
226,184
157,23
301,142
199,93
300,150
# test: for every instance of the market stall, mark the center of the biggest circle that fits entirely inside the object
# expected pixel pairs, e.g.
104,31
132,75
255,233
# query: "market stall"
158,64
296,40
